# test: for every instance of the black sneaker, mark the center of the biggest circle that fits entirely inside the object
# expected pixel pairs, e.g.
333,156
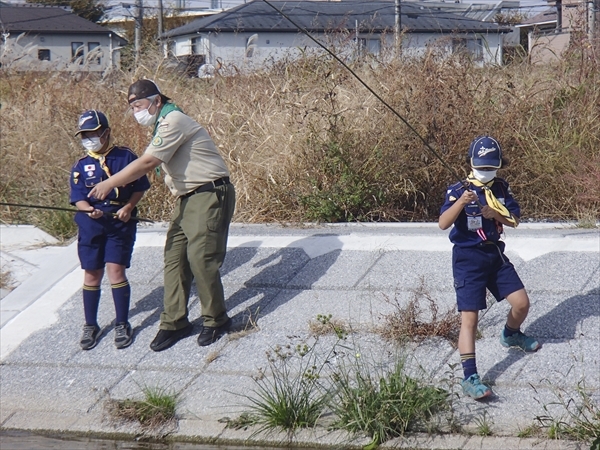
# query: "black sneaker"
123,335
210,335
167,338
90,337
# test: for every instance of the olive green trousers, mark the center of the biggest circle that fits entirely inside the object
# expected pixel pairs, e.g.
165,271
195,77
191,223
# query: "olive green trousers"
194,250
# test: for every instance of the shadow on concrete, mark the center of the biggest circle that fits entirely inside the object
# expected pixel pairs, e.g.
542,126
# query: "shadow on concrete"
558,325
276,284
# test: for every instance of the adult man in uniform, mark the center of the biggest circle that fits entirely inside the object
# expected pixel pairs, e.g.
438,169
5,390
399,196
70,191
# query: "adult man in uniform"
196,241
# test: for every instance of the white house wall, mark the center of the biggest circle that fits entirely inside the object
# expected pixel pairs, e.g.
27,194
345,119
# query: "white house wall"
21,52
229,49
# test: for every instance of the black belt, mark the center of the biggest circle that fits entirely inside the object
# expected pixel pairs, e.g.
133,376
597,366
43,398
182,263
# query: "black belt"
110,203
208,186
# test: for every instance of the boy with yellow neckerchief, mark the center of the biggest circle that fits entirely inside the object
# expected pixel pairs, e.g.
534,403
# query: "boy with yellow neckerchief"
106,233
479,208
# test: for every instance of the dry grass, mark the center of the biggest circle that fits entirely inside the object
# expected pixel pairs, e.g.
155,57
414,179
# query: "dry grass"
154,414
6,280
305,141
410,323
324,325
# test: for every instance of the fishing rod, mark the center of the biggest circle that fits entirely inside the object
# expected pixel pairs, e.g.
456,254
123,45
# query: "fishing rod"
56,208
377,96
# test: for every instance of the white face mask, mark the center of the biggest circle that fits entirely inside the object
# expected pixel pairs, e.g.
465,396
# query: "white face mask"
144,118
484,175
92,144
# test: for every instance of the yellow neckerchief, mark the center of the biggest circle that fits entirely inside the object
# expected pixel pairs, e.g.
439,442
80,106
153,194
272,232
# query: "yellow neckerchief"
101,157
491,199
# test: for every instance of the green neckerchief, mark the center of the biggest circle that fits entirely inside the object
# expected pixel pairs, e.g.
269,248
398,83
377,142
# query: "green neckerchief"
166,109
491,199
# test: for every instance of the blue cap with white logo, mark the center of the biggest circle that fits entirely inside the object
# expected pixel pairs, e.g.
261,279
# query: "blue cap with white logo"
91,120
485,151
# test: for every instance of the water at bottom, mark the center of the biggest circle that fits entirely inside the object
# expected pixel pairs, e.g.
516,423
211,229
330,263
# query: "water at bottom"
18,440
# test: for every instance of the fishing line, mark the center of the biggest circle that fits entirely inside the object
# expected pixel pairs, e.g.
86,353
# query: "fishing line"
56,208
396,113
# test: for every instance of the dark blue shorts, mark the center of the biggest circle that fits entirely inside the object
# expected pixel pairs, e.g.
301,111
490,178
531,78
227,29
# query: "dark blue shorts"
481,267
104,240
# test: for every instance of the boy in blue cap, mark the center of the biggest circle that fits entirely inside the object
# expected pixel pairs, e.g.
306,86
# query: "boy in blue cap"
479,208
106,233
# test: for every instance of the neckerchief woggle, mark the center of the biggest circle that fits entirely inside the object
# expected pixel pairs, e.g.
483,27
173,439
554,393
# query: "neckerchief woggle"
101,158
492,201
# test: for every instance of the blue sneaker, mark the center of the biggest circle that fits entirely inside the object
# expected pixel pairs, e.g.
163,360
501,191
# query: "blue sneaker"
525,343
474,388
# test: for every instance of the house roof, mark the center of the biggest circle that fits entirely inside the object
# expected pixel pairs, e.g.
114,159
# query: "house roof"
319,16
48,20
545,18
477,10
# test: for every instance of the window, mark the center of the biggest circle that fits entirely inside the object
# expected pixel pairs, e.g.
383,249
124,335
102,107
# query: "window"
368,46
77,51
44,54
94,57
469,47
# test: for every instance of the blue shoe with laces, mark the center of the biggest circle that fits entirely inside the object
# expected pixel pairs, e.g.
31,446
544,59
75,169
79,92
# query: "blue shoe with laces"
474,388
520,340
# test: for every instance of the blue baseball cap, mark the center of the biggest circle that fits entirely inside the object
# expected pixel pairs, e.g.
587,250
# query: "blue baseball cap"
92,120
485,151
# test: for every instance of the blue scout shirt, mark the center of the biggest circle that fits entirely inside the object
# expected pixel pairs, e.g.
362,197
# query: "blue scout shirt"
464,232
89,171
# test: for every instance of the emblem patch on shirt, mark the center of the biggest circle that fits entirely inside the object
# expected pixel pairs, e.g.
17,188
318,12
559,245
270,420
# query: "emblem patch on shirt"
157,141
75,177
89,167
452,198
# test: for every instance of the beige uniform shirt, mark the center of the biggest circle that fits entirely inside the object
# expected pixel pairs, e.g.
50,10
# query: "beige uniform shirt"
189,155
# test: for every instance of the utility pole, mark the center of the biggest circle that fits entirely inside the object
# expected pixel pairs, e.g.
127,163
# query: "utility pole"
397,27
160,23
138,30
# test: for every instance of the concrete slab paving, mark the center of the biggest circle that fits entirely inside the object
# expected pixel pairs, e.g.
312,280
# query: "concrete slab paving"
282,278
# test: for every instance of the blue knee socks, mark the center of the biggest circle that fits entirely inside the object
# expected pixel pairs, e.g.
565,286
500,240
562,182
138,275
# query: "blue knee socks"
91,300
469,364
121,294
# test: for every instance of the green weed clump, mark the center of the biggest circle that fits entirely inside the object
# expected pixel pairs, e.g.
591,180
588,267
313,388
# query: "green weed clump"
155,411
289,396
384,407
305,387
580,418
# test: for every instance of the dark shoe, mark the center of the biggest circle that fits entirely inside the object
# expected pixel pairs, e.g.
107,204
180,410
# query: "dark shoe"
90,336
210,335
123,335
167,338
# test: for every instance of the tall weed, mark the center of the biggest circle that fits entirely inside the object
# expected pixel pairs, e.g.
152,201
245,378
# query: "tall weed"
305,141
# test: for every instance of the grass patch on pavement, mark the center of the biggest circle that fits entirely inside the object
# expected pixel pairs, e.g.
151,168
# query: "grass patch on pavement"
155,411
410,322
308,386
580,417
384,406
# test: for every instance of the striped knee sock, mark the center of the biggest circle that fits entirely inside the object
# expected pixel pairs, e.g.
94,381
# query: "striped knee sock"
469,364
91,300
121,294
